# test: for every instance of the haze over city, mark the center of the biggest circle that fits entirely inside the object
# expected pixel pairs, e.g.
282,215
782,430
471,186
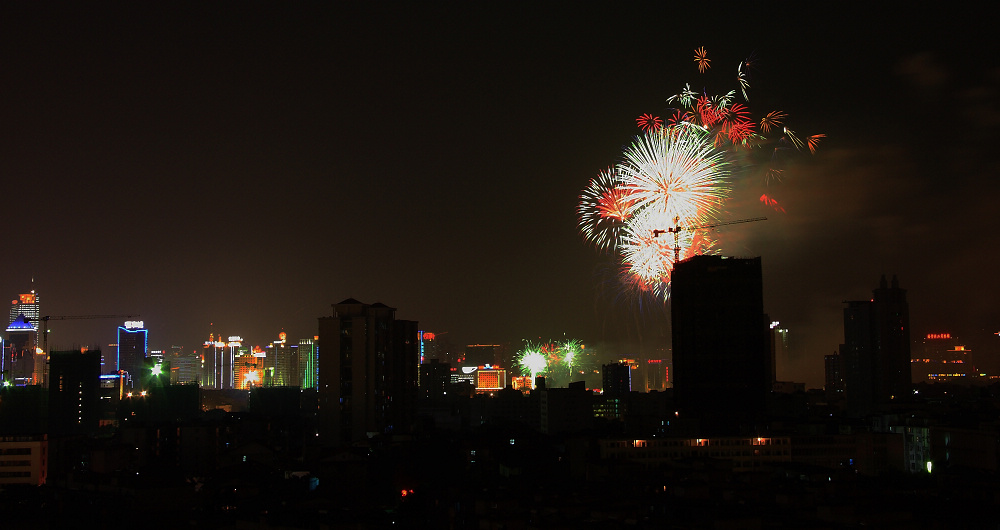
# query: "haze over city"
239,170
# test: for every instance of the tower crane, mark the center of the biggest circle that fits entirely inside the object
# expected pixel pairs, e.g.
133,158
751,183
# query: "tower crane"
676,230
43,323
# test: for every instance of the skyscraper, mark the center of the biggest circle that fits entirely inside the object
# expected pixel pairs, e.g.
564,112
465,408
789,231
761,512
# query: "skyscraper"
616,379
133,348
74,392
875,356
308,363
721,342
17,364
282,363
26,305
368,372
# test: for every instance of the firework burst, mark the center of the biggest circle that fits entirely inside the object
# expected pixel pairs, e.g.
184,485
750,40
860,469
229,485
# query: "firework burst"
679,174
701,57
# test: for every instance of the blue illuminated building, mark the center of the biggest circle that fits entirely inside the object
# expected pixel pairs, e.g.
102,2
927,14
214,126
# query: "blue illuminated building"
133,348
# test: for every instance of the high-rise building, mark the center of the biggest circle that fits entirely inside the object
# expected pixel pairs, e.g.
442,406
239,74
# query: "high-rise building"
308,363
17,364
20,364
249,370
185,367
435,378
282,363
875,355
368,372
942,357
616,379
721,342
481,354
26,306
833,375
133,349
74,392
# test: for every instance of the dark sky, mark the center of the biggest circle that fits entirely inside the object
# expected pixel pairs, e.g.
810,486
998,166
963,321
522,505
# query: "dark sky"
248,165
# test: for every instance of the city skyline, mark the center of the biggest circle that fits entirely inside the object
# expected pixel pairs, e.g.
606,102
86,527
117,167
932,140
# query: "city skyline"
251,168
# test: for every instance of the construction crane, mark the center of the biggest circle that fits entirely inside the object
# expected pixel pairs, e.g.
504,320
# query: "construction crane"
676,230
43,323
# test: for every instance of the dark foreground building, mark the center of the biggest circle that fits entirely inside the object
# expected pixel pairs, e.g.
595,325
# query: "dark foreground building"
721,343
875,356
367,372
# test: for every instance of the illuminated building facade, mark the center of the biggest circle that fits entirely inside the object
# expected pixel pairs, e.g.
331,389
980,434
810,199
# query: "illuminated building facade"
368,372
875,356
308,362
17,364
20,361
26,306
430,348
249,370
282,363
133,349
721,342
489,380
23,460
941,358
185,367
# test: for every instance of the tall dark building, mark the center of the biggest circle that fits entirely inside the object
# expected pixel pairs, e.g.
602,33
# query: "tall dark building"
721,343
74,392
616,379
435,376
875,356
367,372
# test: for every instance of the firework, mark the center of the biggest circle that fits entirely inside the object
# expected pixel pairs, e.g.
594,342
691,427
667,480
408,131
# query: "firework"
532,361
701,57
675,178
605,205
813,141
648,122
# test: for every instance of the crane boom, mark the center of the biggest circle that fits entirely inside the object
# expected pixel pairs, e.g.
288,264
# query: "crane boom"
47,318
676,230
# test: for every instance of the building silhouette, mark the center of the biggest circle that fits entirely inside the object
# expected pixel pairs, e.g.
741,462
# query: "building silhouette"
367,372
875,355
74,392
616,379
721,343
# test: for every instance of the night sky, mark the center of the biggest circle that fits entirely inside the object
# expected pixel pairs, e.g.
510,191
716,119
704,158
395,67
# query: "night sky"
249,165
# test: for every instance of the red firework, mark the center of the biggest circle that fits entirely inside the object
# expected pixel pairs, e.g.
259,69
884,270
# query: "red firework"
647,122
615,204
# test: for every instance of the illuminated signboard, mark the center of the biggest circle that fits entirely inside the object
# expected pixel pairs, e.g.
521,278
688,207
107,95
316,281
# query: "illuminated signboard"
938,335
133,324
28,298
